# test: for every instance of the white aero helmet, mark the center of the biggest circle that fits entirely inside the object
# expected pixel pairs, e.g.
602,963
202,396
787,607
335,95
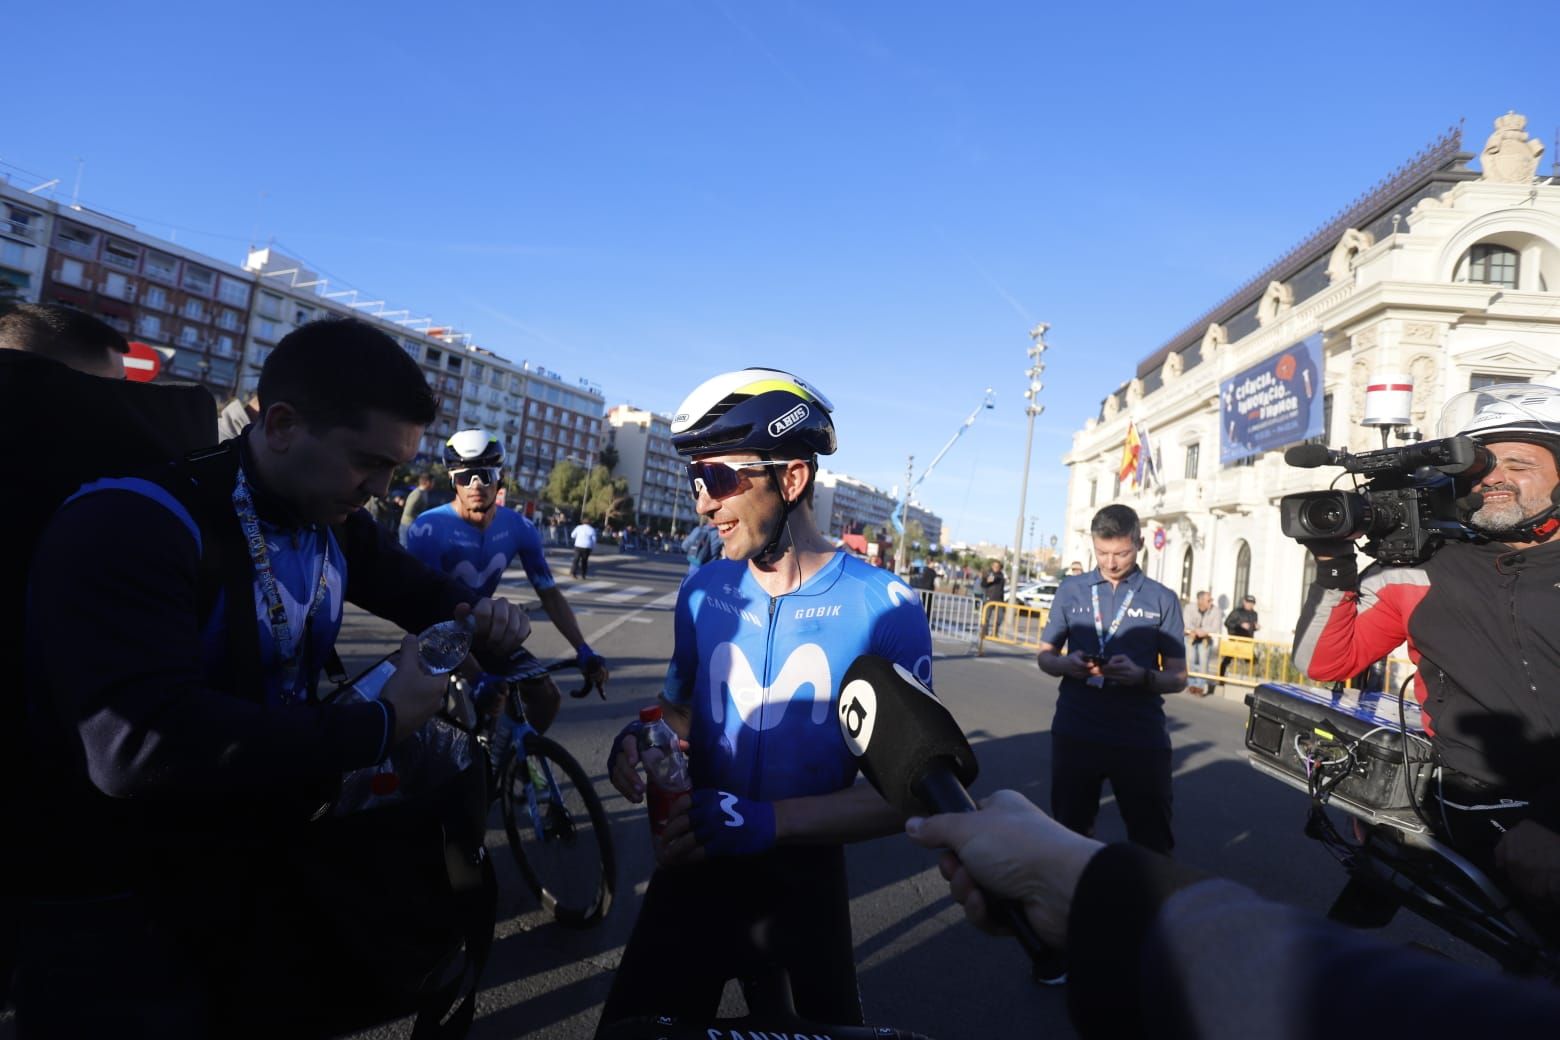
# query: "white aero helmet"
474,449
1505,412
755,409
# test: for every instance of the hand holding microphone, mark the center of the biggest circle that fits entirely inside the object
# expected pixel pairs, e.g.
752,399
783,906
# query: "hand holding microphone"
911,749
1013,850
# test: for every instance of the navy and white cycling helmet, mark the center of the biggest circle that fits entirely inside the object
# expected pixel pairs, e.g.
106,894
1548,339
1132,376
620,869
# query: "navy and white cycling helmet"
756,409
474,449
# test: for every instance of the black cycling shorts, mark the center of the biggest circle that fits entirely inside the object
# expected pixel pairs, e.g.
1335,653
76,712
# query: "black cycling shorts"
740,918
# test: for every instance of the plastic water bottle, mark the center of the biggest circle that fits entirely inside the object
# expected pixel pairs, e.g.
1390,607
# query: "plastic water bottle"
666,767
444,646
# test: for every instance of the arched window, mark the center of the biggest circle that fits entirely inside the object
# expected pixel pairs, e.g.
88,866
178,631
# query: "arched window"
1242,573
1489,264
1186,574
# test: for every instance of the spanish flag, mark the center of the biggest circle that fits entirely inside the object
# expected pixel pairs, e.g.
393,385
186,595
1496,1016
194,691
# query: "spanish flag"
1128,470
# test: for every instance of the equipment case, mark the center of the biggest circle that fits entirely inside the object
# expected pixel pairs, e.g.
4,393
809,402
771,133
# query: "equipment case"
1287,723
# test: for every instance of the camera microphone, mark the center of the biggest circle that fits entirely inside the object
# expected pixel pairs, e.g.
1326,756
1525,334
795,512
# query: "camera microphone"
1470,503
916,756
1310,456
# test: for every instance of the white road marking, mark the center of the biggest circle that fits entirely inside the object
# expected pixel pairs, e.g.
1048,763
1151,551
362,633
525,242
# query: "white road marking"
591,586
668,600
624,595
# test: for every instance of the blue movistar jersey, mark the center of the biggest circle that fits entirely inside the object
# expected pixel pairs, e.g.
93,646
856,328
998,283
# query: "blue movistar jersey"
475,556
761,675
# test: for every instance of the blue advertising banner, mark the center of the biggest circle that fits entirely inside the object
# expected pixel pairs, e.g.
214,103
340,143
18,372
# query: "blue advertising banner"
1273,404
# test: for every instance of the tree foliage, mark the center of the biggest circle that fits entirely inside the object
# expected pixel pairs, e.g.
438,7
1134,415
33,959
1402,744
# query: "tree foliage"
605,498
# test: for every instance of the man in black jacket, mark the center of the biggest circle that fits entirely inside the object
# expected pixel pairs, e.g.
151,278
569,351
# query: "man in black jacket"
1241,623
993,585
177,720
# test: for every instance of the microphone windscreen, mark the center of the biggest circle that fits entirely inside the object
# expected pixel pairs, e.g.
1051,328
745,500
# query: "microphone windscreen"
897,728
1471,503
1308,456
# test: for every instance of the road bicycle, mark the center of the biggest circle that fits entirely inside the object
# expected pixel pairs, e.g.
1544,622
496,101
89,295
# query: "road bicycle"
556,826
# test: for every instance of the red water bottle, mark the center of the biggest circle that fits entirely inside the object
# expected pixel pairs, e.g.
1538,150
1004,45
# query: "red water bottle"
666,767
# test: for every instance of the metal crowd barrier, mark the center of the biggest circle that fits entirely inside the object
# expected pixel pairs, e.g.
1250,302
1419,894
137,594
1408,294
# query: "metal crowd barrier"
1252,661
1011,624
952,616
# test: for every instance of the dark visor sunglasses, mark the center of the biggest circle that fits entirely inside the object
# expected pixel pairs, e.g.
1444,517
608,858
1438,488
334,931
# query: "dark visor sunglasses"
720,479
486,475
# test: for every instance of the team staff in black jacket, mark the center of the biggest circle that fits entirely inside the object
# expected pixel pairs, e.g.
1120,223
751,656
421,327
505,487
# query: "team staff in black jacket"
180,727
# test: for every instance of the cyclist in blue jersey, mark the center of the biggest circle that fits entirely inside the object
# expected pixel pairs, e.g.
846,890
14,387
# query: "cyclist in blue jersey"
751,865
473,540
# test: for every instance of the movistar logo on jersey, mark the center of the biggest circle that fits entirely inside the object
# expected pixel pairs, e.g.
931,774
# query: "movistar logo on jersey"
1140,612
778,427
804,613
732,680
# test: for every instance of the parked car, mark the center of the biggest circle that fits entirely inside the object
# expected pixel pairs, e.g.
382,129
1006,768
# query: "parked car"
1037,593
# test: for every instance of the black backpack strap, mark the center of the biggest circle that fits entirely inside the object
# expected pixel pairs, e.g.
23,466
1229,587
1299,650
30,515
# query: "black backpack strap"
204,483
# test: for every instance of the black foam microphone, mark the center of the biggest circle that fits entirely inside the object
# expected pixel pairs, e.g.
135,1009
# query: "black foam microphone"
912,750
1310,456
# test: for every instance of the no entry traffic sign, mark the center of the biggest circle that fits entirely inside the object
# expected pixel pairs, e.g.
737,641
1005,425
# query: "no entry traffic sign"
142,363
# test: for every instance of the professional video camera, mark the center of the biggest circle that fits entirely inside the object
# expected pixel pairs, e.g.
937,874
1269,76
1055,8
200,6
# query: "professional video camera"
1408,506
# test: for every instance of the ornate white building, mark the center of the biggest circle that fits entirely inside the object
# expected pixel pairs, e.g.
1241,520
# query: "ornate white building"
1445,273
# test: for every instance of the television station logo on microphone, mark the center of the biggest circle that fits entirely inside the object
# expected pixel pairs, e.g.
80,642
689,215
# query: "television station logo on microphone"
859,704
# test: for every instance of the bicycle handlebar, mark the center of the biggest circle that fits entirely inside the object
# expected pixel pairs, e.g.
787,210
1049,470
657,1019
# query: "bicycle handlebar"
523,666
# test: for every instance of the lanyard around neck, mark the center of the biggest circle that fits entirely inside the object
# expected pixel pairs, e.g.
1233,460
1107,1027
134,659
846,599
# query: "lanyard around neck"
1099,619
289,646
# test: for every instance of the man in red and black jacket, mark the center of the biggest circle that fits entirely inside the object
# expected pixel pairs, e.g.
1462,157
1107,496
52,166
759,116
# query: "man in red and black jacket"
1479,619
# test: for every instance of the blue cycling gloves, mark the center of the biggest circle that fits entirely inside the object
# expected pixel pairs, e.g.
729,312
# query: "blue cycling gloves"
588,660
726,825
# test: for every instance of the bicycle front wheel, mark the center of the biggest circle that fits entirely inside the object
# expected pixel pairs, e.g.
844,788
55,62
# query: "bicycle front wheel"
558,833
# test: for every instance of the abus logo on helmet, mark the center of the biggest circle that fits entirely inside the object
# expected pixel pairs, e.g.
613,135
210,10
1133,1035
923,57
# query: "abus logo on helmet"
788,420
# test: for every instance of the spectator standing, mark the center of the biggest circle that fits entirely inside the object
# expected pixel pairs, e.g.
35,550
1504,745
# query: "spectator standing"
584,536
1242,622
1076,568
417,503
993,585
1201,624
701,546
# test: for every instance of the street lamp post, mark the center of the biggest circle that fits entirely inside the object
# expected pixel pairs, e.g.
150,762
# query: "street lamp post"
899,516
1034,408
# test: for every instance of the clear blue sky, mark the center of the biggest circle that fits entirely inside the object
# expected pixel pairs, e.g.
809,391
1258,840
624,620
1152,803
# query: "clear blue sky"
882,196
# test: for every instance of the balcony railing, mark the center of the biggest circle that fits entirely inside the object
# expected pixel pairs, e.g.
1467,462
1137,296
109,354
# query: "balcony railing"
18,229
124,263
85,250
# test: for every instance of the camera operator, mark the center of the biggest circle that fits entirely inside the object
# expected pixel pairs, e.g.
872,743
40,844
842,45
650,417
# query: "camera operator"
1479,620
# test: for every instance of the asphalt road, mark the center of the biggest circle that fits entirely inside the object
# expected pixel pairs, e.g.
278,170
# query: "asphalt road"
920,966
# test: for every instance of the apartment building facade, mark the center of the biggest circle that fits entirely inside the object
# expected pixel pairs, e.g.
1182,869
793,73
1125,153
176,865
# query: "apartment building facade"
654,471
